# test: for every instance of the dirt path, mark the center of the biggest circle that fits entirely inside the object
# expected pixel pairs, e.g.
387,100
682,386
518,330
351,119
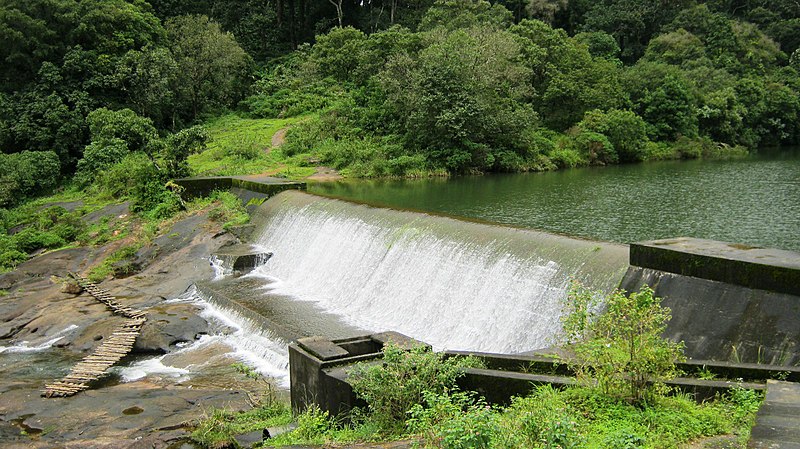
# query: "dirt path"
279,138
324,174
321,173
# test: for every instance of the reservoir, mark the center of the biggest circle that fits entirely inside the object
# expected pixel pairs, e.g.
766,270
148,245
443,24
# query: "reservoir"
753,200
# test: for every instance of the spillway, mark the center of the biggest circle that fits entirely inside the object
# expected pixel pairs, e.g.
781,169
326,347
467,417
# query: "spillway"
452,283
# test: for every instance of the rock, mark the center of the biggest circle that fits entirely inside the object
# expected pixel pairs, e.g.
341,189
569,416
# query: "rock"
251,438
125,268
272,432
71,287
242,232
241,259
97,418
169,325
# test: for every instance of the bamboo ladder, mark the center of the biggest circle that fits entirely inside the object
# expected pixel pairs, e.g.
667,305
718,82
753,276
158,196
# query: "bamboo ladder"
111,351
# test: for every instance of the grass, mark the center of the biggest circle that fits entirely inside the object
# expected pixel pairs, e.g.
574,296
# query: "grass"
222,425
412,395
238,146
577,417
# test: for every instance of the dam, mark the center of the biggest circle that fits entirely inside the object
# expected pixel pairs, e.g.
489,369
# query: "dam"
340,269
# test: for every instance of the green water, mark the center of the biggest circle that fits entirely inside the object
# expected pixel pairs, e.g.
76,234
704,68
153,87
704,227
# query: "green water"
754,201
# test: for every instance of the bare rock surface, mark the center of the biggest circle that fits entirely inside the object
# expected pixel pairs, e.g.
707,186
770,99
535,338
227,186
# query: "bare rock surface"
38,312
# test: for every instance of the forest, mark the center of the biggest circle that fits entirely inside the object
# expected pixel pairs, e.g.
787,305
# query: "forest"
114,95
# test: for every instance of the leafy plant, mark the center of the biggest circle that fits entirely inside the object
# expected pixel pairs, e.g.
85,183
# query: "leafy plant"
220,427
402,380
621,348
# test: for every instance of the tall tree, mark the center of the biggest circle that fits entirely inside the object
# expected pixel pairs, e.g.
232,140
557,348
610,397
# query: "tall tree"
212,67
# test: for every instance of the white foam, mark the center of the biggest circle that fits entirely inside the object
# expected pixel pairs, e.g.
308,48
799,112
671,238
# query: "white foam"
248,343
220,268
453,293
154,366
266,354
25,346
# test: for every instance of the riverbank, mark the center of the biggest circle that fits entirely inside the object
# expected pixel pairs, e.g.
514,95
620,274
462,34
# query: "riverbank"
45,328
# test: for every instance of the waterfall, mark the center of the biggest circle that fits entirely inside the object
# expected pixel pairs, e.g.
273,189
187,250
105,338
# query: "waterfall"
451,283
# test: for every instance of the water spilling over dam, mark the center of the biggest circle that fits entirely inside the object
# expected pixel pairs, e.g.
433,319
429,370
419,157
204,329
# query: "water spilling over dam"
454,284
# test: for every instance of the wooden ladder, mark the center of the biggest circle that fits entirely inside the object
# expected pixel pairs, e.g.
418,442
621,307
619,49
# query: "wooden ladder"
111,351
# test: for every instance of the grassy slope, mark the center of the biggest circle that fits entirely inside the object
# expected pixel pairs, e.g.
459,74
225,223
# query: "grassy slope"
241,146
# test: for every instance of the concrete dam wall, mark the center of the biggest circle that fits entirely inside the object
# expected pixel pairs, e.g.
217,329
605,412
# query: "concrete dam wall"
452,283
729,302
339,268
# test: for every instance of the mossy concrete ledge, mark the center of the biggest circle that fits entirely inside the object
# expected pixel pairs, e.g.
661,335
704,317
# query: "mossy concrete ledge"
265,185
748,266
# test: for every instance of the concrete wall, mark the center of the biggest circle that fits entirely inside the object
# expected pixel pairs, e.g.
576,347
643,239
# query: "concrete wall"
203,186
729,302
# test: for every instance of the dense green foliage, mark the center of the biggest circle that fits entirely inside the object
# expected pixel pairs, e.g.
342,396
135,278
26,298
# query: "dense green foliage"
476,87
413,375
391,87
414,395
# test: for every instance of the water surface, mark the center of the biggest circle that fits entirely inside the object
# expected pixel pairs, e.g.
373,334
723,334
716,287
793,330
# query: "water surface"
754,200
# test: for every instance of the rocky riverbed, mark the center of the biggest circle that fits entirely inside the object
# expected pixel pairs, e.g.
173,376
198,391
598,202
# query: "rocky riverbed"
45,327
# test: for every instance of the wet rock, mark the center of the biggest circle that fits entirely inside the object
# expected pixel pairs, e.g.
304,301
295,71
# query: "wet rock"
241,259
251,438
169,325
272,432
97,417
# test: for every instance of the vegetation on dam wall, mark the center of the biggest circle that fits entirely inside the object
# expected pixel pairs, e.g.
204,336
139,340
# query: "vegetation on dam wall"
618,402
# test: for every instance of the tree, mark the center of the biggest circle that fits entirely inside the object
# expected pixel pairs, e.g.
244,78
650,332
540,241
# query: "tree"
115,134
459,14
566,80
545,10
462,99
338,53
338,5
600,44
212,67
631,22
734,45
149,79
137,132
26,174
626,131
675,48
663,96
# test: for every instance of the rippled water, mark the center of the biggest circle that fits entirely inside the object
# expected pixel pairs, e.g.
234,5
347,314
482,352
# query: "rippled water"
754,200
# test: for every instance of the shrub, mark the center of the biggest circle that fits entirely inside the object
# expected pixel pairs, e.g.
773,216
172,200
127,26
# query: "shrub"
26,174
626,131
31,239
120,179
593,147
245,148
179,146
659,151
704,147
542,419
10,258
313,423
227,209
99,155
564,157
152,198
623,347
402,380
